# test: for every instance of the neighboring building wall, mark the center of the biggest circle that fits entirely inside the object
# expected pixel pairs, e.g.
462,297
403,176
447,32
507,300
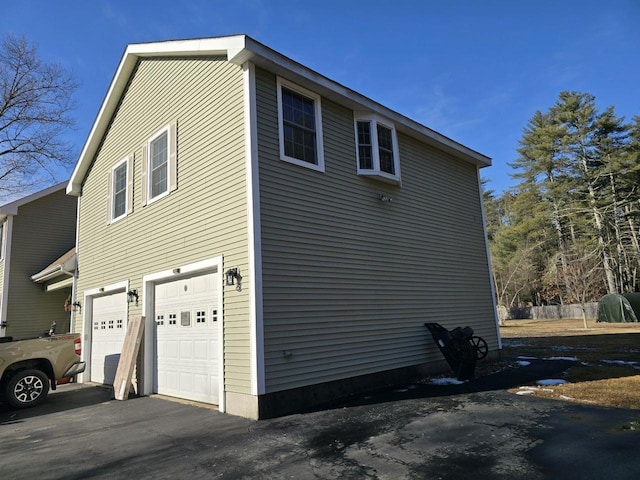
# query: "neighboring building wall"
42,230
349,280
205,217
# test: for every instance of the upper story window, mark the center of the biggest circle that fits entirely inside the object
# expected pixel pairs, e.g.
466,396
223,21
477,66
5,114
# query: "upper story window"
159,166
120,188
300,126
377,148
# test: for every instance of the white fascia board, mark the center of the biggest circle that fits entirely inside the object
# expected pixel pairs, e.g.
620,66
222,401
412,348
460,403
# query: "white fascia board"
201,47
279,64
65,268
109,105
133,52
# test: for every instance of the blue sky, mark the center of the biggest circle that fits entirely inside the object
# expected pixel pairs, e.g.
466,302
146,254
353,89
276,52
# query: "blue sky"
475,71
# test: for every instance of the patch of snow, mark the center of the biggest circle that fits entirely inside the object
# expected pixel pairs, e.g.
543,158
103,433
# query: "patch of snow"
573,359
401,390
551,382
619,362
445,381
524,392
523,363
522,357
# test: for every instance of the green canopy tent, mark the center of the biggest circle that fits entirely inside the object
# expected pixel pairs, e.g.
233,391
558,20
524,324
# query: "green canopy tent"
615,308
634,300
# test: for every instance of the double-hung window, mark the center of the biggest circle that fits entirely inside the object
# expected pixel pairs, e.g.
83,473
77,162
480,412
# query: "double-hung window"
159,165
377,148
120,190
300,126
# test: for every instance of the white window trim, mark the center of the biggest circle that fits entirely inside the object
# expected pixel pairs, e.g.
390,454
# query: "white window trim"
151,199
171,131
318,118
128,192
375,152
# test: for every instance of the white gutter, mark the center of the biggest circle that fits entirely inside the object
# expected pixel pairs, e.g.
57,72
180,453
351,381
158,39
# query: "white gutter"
66,268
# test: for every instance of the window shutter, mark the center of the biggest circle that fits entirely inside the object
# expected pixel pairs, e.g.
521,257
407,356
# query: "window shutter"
173,156
109,188
130,184
145,180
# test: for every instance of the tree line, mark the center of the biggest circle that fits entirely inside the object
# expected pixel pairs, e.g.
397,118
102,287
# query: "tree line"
568,232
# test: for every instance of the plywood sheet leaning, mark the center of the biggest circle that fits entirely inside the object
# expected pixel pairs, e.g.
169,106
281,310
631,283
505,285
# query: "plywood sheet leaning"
130,349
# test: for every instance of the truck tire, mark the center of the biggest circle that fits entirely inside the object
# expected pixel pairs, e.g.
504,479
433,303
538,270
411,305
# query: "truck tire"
27,388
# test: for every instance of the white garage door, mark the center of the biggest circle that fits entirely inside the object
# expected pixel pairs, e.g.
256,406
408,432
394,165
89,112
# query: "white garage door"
108,331
186,320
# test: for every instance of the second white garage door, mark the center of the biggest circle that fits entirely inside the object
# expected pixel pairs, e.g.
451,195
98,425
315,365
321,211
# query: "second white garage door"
186,321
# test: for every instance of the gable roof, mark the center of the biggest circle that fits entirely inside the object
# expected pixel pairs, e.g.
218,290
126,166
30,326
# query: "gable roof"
240,49
12,207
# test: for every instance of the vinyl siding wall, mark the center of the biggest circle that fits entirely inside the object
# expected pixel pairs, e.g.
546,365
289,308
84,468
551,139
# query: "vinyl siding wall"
43,230
349,280
205,217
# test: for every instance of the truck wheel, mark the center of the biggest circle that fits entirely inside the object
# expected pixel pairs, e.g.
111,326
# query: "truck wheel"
27,388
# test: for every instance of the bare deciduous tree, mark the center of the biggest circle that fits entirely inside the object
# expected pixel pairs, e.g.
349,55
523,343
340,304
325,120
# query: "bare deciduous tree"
583,274
35,107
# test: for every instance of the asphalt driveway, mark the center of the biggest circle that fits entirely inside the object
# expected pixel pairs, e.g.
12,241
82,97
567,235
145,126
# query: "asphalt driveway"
475,430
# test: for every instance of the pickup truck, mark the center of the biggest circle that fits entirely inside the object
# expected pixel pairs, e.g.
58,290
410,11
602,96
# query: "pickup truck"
29,368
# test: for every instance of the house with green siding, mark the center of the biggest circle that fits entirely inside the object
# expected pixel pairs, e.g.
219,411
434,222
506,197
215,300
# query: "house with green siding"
34,292
284,237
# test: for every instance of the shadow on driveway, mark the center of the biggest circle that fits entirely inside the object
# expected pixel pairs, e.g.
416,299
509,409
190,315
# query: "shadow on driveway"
66,397
511,377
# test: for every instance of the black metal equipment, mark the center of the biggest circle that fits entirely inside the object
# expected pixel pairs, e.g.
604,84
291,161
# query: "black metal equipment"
460,348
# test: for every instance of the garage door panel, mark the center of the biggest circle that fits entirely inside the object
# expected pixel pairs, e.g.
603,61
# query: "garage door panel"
186,313
108,331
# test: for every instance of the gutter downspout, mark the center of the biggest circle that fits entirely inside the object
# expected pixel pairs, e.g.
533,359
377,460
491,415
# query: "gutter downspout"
74,285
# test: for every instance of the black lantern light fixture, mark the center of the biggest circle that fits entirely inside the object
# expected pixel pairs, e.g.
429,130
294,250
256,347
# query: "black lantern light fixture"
232,276
131,295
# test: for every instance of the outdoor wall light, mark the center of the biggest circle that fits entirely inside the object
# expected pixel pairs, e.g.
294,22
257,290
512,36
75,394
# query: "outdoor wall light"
131,295
232,276
76,306
384,198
